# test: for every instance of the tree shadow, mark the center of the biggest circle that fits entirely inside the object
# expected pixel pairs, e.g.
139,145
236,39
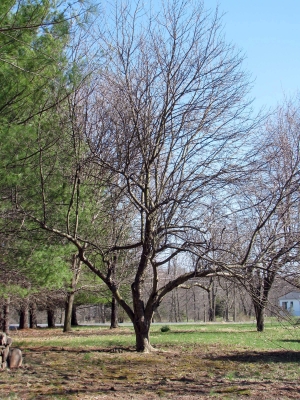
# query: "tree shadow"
210,332
78,350
290,340
279,356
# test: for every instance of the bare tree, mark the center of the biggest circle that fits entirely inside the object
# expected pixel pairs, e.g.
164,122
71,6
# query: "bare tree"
267,230
164,123
169,119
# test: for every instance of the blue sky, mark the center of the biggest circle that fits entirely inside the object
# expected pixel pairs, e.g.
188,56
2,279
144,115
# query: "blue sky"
268,32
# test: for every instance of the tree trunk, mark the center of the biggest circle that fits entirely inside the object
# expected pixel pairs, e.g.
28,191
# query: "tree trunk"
141,320
177,305
101,308
68,312
24,315
260,317
173,310
212,293
114,314
186,306
76,269
210,315
33,316
74,321
157,316
6,312
234,304
260,294
211,306
227,313
51,317
142,336
1,318
194,305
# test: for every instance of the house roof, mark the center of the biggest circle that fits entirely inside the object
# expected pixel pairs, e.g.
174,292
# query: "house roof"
290,296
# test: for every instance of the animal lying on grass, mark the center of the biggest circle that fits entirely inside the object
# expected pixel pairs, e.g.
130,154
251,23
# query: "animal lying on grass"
9,357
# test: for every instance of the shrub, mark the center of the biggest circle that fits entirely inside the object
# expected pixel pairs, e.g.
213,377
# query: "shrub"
165,328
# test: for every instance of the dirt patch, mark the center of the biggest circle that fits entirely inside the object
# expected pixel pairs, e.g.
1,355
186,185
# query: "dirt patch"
172,373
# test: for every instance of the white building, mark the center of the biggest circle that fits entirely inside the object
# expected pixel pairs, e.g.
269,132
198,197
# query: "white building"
291,303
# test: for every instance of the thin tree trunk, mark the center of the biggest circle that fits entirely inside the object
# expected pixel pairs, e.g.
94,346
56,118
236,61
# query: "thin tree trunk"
24,315
177,305
227,303
259,294
114,314
211,314
174,317
157,316
68,312
6,314
194,305
2,317
260,317
227,313
102,313
74,321
234,303
51,317
76,269
186,306
33,316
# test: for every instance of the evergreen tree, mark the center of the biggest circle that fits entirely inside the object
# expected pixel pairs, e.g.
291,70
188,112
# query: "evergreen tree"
36,77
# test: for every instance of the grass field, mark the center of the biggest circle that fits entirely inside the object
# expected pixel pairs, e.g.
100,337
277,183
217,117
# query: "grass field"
224,361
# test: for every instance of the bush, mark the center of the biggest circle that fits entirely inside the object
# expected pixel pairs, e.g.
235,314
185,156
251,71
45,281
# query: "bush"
165,328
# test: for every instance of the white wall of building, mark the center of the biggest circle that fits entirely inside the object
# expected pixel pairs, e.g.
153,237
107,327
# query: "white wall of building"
291,303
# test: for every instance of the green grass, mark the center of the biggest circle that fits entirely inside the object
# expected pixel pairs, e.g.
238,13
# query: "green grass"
74,342
275,336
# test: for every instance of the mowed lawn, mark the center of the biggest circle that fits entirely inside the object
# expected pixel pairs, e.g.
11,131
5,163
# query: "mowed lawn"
225,360
276,335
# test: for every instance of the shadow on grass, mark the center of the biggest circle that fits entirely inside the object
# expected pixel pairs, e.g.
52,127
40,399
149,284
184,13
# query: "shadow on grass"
211,332
55,349
281,356
291,340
